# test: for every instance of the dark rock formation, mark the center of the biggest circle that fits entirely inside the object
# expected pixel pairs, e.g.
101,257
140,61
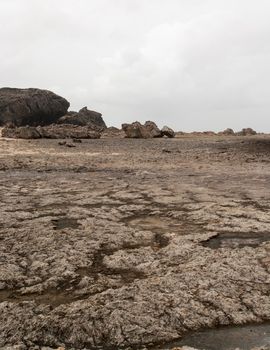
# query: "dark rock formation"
30,107
138,131
84,118
246,132
227,132
166,131
54,131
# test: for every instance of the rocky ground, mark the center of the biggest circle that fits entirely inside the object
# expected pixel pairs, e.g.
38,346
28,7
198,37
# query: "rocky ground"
119,243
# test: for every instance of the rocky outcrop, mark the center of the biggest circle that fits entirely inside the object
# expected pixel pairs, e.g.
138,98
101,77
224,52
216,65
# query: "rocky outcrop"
84,117
138,131
30,107
23,132
227,132
53,131
166,131
247,132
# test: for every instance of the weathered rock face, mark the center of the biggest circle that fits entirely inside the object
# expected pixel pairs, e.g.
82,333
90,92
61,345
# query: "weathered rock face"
166,131
53,131
23,132
152,129
30,107
66,131
84,117
138,131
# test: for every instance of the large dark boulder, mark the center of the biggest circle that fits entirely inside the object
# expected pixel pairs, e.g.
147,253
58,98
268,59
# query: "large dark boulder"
84,117
30,107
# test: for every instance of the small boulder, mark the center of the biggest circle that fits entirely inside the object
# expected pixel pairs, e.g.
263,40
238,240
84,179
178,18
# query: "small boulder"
166,131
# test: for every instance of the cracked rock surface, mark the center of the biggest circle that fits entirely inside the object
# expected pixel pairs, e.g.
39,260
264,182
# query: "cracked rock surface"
118,244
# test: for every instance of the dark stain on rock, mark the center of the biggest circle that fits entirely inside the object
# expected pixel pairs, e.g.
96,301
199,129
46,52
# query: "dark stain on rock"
236,240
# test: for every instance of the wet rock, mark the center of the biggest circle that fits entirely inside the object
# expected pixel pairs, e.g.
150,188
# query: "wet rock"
138,131
77,141
166,131
85,117
30,107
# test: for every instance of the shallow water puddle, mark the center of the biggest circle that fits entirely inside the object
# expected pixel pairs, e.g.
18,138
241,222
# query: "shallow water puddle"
226,338
237,240
156,224
62,223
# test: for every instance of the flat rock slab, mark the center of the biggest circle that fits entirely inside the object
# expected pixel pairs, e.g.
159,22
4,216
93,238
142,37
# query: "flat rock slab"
105,245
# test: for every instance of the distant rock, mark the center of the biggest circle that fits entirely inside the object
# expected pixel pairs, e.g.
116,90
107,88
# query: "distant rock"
138,131
153,130
113,132
30,107
227,132
246,132
53,131
84,117
166,131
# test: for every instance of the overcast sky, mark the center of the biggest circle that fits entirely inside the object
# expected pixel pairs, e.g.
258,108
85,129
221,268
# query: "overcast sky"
189,64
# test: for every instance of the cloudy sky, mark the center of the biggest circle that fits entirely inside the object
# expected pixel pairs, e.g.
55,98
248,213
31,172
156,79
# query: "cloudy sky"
190,64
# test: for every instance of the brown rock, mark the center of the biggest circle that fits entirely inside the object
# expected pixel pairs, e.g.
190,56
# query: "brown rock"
54,131
166,131
138,131
24,132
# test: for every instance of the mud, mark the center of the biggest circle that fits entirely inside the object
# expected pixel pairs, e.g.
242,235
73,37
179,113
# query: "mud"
115,243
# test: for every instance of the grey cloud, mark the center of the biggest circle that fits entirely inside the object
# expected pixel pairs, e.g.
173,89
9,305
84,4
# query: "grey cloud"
192,64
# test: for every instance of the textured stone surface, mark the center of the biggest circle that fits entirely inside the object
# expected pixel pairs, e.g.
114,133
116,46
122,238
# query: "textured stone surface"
85,117
166,131
30,107
103,245
53,131
138,131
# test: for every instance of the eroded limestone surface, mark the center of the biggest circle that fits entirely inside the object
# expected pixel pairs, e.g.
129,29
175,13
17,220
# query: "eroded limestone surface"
108,244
